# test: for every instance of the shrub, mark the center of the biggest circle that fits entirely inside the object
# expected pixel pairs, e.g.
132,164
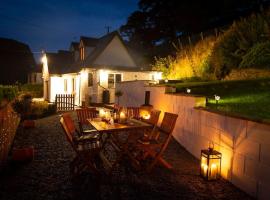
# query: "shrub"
36,90
189,62
32,109
42,109
8,92
233,46
259,56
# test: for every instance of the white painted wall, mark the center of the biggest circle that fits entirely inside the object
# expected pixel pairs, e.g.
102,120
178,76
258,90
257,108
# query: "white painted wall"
57,86
115,54
245,145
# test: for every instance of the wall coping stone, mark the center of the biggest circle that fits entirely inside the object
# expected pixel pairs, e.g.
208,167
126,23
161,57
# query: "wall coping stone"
233,115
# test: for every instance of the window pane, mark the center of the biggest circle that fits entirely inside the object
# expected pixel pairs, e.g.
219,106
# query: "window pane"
118,78
111,80
90,79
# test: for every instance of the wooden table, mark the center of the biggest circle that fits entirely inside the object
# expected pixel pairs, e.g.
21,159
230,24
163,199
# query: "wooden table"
109,135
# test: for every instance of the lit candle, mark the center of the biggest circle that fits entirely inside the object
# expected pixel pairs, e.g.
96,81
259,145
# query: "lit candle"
213,171
101,113
146,116
204,169
122,115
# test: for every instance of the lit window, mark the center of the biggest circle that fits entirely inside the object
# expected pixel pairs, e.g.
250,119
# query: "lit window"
118,78
90,79
111,81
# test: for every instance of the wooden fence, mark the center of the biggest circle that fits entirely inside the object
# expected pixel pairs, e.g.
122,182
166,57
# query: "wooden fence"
65,102
9,122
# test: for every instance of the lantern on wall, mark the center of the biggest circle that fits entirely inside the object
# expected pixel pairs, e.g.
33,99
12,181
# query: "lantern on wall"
210,164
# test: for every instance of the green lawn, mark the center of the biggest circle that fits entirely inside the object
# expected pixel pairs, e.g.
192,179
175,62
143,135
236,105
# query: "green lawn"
249,98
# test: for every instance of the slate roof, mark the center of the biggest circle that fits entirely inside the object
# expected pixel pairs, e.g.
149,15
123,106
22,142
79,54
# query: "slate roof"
75,45
60,62
89,41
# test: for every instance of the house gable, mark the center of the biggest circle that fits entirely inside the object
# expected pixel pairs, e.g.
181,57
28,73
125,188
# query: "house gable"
115,54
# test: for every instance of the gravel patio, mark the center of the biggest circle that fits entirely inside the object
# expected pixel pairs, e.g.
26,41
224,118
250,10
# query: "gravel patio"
47,176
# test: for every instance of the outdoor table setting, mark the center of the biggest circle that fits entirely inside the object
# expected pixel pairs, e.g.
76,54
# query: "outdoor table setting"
117,130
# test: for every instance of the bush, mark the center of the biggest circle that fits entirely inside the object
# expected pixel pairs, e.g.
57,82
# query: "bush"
42,109
189,62
8,92
32,109
259,56
36,90
234,45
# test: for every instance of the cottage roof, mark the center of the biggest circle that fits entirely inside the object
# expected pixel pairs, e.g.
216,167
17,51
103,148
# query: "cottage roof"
75,45
60,62
89,41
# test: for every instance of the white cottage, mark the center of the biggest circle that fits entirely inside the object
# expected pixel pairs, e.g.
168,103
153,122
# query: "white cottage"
90,67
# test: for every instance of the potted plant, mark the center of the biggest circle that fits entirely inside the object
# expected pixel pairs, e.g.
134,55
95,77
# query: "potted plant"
118,94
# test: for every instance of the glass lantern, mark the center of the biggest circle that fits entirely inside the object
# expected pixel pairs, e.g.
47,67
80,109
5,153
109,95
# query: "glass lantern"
210,164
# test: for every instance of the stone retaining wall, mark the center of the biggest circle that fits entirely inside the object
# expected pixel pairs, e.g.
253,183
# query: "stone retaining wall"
244,144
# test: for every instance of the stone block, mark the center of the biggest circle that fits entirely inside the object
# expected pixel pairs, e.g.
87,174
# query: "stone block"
248,148
258,132
263,191
252,168
265,153
226,162
264,173
212,134
226,139
238,164
245,183
234,126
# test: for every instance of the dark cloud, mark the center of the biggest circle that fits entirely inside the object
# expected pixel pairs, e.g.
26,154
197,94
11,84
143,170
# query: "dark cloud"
52,24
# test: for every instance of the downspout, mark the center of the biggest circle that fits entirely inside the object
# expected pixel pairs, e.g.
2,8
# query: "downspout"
80,90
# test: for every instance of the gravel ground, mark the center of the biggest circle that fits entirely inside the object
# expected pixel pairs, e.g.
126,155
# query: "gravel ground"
47,176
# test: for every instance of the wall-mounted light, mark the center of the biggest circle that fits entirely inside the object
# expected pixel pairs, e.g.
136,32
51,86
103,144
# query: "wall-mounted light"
188,90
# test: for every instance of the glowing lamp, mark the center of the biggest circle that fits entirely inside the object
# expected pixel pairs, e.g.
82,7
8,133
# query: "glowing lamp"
102,113
217,98
122,117
188,90
210,164
145,114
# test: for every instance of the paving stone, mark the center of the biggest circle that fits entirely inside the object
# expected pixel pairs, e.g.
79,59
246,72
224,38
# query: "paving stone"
47,176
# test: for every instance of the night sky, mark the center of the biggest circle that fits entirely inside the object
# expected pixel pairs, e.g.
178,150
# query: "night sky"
53,24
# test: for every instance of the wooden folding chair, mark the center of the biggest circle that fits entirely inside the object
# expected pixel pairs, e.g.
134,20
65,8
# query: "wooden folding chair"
157,144
86,148
83,114
133,112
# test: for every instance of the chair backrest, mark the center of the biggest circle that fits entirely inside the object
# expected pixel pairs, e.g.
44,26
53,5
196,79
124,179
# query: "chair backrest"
168,122
86,113
133,112
154,116
68,129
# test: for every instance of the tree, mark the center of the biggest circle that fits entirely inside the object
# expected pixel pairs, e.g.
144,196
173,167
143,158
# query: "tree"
158,23
16,61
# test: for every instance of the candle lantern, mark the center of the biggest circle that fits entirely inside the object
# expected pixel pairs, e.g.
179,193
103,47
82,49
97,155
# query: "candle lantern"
102,113
122,117
210,164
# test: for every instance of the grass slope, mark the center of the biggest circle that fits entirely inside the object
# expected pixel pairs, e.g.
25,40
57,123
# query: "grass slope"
248,98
